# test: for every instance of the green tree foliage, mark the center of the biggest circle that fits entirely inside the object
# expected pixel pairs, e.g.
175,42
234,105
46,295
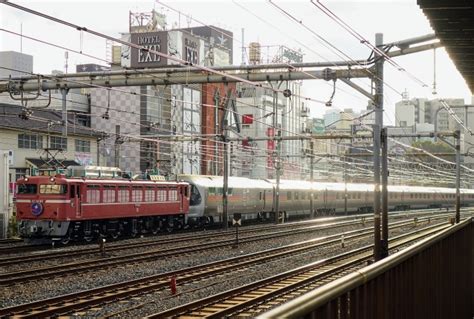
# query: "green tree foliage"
440,148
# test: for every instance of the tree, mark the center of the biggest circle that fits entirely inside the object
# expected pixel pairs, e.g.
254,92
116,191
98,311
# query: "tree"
440,148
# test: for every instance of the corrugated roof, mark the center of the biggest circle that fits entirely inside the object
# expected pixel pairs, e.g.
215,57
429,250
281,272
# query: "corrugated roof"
38,121
453,23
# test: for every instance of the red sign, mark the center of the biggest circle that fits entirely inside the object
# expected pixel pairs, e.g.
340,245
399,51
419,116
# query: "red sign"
247,119
270,131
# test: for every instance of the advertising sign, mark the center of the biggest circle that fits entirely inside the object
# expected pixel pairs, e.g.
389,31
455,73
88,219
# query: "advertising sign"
190,49
144,58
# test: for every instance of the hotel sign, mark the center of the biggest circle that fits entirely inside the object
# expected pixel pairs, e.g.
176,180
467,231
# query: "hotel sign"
151,41
191,49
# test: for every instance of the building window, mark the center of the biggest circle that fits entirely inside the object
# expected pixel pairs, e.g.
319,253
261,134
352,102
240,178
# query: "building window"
30,141
57,142
83,146
21,173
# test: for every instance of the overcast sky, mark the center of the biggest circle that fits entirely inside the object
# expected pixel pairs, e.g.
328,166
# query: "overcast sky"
397,20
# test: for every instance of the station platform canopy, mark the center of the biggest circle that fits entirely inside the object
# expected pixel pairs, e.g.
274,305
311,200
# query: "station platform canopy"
453,23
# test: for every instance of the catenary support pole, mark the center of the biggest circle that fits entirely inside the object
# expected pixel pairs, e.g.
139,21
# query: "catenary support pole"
384,242
277,153
378,100
225,190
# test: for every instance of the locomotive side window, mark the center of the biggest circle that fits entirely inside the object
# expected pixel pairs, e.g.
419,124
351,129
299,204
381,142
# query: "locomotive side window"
137,194
93,193
108,194
173,195
288,195
123,194
27,188
53,189
150,194
161,195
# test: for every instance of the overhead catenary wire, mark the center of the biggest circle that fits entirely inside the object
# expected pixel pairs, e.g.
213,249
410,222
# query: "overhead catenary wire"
139,47
364,41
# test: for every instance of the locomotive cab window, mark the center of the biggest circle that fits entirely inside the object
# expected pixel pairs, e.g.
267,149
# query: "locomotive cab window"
27,189
53,189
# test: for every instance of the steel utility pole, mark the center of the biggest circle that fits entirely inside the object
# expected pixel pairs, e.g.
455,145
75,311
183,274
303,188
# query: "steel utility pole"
276,152
225,188
378,100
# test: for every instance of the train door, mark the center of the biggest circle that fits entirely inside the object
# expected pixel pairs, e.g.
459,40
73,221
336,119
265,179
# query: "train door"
75,194
262,194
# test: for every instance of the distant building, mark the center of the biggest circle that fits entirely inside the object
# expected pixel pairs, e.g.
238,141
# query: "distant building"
175,109
14,63
422,115
37,145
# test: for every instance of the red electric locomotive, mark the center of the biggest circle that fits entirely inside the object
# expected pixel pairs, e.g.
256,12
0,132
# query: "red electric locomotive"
65,208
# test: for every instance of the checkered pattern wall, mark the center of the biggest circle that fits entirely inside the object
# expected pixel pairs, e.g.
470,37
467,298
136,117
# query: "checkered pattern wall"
123,109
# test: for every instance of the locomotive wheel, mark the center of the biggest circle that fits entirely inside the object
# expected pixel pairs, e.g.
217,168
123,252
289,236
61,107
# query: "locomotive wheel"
178,225
88,239
115,235
65,240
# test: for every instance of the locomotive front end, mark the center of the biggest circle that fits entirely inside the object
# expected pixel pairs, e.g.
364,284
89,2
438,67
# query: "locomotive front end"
42,205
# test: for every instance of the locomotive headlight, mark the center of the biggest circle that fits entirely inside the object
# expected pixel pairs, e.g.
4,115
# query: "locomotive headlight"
26,179
52,179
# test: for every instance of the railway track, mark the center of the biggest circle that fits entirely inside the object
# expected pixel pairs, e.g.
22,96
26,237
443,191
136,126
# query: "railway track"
99,263
16,260
10,241
250,300
84,299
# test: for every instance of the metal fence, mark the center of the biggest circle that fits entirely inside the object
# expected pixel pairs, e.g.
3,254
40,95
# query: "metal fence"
431,279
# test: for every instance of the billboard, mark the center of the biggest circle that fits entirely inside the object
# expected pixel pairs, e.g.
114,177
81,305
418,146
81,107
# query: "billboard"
155,41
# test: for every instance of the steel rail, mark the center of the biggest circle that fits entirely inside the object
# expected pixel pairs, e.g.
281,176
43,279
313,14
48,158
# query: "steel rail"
231,302
105,263
93,297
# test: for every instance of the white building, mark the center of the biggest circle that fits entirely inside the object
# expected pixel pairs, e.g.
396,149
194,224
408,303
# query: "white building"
16,62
